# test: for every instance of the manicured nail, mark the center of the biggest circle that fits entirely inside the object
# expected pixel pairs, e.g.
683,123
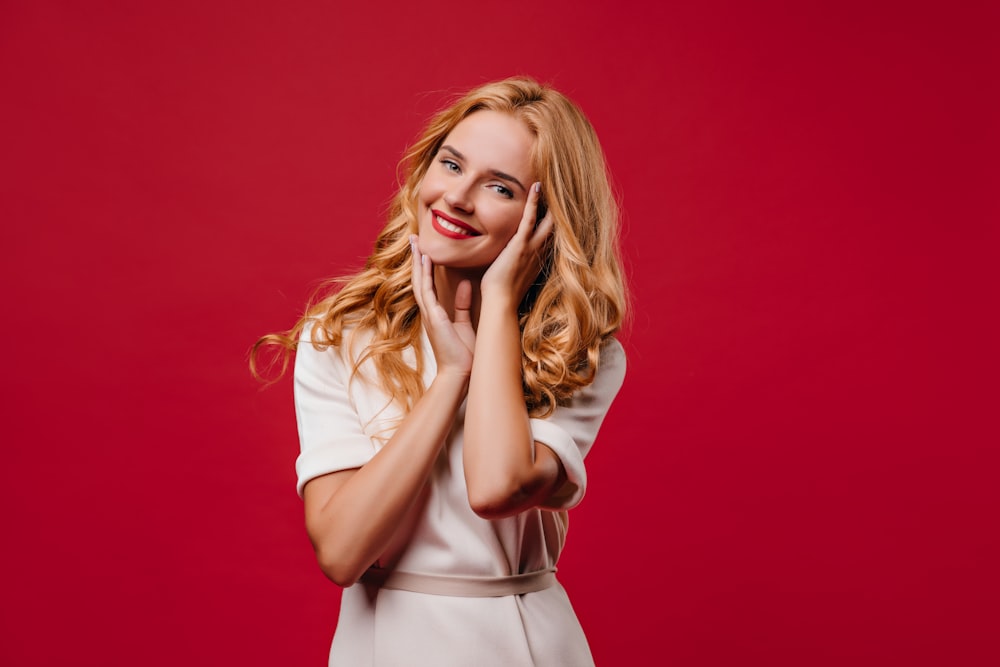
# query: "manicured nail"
537,187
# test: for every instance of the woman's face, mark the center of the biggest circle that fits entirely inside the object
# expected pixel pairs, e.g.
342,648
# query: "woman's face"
473,195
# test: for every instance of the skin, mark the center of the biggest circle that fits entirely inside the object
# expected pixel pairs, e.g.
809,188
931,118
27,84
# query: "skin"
468,302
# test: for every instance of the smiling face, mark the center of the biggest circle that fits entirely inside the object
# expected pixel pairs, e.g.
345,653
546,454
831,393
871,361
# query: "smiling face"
473,195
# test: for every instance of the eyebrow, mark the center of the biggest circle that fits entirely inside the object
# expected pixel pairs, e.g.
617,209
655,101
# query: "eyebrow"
496,172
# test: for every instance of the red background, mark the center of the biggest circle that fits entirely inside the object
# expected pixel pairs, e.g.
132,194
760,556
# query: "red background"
802,467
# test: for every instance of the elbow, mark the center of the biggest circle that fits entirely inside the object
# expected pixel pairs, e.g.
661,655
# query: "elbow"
490,511
338,569
499,496
500,501
339,560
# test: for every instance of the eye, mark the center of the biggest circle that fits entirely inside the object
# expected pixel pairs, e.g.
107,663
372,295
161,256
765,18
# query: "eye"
503,190
450,165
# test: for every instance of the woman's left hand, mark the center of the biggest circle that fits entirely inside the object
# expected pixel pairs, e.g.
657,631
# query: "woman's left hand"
519,263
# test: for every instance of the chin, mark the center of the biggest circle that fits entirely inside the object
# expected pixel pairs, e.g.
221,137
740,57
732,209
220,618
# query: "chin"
426,246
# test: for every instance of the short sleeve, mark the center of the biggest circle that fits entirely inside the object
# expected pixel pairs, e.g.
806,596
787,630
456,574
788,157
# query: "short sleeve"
330,432
570,431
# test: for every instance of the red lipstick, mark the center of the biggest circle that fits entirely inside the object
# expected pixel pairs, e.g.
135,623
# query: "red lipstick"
466,233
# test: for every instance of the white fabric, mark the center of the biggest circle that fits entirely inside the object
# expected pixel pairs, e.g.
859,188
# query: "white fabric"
343,423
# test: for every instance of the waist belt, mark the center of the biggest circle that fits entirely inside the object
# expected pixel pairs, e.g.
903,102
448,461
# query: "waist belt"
460,586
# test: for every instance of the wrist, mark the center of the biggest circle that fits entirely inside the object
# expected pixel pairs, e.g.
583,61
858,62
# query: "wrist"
452,379
499,301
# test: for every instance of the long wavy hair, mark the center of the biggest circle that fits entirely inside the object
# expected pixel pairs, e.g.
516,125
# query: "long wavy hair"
577,303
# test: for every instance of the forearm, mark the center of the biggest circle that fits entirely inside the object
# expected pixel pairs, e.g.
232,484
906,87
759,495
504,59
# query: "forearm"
504,471
352,517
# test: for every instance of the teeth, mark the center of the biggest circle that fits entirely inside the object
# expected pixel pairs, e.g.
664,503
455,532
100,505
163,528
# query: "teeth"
451,227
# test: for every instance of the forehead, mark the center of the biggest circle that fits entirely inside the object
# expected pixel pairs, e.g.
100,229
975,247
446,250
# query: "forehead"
494,140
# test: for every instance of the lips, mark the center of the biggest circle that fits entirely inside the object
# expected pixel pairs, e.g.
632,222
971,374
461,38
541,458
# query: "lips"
450,227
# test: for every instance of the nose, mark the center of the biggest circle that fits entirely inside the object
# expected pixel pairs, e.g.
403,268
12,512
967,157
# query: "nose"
459,196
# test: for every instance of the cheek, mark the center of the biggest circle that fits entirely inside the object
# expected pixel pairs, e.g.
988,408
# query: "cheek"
430,189
422,192
510,224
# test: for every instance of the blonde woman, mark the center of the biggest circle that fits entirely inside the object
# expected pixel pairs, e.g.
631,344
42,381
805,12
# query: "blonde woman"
447,394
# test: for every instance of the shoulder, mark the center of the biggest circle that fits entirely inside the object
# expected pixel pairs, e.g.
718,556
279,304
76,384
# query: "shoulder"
319,353
612,353
316,337
610,373
609,376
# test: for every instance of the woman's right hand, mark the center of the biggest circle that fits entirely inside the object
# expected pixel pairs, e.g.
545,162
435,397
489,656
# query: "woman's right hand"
352,516
453,341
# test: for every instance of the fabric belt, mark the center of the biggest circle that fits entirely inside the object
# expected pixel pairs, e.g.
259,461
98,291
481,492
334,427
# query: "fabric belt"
460,586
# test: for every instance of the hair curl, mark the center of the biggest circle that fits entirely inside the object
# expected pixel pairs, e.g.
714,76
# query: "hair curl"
575,306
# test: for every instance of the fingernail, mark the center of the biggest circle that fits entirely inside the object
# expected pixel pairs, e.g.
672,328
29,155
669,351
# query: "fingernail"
537,187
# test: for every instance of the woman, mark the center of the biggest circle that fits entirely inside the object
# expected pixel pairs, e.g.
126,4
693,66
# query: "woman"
447,394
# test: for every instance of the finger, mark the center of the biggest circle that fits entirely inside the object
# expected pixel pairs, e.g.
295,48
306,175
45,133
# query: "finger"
463,302
540,243
544,228
530,209
546,243
427,282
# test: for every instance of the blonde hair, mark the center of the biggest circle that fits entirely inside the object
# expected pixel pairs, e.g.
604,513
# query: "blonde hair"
575,306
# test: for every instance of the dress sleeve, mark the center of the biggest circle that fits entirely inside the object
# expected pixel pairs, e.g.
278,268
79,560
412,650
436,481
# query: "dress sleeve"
330,432
570,431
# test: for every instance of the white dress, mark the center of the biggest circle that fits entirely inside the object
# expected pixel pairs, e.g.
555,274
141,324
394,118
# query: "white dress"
343,423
